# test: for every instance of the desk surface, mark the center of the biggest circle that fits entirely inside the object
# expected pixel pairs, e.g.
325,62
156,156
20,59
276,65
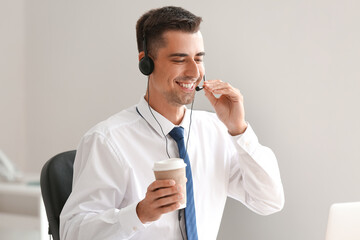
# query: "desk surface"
14,227
28,186
22,212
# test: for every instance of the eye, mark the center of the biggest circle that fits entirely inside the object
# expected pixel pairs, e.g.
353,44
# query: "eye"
178,60
199,60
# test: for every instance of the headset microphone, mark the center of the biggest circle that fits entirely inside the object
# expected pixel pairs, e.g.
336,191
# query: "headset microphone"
200,88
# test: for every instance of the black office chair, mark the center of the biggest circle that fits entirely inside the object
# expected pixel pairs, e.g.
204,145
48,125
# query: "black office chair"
56,184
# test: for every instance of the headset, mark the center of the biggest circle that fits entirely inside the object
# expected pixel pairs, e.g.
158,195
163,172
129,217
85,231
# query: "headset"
146,64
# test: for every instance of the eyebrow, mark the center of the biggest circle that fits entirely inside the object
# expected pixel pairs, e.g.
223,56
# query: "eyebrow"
185,54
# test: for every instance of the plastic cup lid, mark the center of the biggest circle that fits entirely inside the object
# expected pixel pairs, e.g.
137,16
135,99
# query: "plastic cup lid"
169,164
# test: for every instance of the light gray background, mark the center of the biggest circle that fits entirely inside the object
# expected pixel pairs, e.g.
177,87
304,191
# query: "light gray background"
66,65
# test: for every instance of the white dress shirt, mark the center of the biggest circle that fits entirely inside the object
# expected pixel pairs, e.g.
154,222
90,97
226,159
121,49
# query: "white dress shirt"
113,168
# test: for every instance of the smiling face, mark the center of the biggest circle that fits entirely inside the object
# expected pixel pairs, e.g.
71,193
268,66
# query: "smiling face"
178,70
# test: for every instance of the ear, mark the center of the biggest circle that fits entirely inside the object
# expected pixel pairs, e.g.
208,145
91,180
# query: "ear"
141,55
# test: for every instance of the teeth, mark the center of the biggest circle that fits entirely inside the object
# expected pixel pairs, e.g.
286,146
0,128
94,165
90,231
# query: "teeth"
188,86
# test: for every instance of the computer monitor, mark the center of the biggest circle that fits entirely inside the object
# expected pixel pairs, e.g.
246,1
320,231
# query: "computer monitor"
344,221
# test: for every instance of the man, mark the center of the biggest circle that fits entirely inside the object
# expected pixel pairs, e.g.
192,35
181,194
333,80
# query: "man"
115,195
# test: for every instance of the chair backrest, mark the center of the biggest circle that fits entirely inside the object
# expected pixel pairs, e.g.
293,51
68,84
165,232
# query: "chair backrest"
56,184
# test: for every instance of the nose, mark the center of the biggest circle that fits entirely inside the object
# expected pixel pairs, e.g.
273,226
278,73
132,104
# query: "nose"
192,69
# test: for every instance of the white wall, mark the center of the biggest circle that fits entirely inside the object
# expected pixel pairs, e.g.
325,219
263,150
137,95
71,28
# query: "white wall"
12,82
296,63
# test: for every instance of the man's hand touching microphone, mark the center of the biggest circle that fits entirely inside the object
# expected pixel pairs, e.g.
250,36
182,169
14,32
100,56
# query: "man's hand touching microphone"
229,106
162,196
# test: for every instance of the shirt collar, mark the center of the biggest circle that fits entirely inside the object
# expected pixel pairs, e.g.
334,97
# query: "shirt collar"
166,125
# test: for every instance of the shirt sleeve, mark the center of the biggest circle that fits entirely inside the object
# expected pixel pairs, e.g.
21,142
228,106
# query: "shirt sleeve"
97,207
254,175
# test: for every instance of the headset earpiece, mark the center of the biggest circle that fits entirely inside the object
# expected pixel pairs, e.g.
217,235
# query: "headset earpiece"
146,64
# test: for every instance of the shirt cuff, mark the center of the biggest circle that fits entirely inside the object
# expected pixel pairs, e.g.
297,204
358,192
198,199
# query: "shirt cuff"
247,141
130,219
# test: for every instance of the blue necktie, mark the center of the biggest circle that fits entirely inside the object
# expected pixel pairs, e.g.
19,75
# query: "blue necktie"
190,218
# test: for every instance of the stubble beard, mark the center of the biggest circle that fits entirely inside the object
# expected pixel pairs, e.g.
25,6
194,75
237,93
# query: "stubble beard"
177,100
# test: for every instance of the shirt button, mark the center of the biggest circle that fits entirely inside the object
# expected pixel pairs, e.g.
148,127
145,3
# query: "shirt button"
134,228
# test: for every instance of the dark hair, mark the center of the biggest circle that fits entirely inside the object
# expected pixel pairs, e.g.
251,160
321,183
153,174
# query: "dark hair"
155,22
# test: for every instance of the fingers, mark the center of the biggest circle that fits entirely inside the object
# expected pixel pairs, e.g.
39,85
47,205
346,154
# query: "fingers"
164,192
162,196
160,184
210,96
229,105
222,88
168,200
165,196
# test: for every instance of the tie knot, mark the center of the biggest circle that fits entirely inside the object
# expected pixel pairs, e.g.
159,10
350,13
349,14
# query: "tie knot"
177,133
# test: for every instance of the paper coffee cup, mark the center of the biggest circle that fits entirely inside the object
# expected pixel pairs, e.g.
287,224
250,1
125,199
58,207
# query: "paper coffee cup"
173,168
